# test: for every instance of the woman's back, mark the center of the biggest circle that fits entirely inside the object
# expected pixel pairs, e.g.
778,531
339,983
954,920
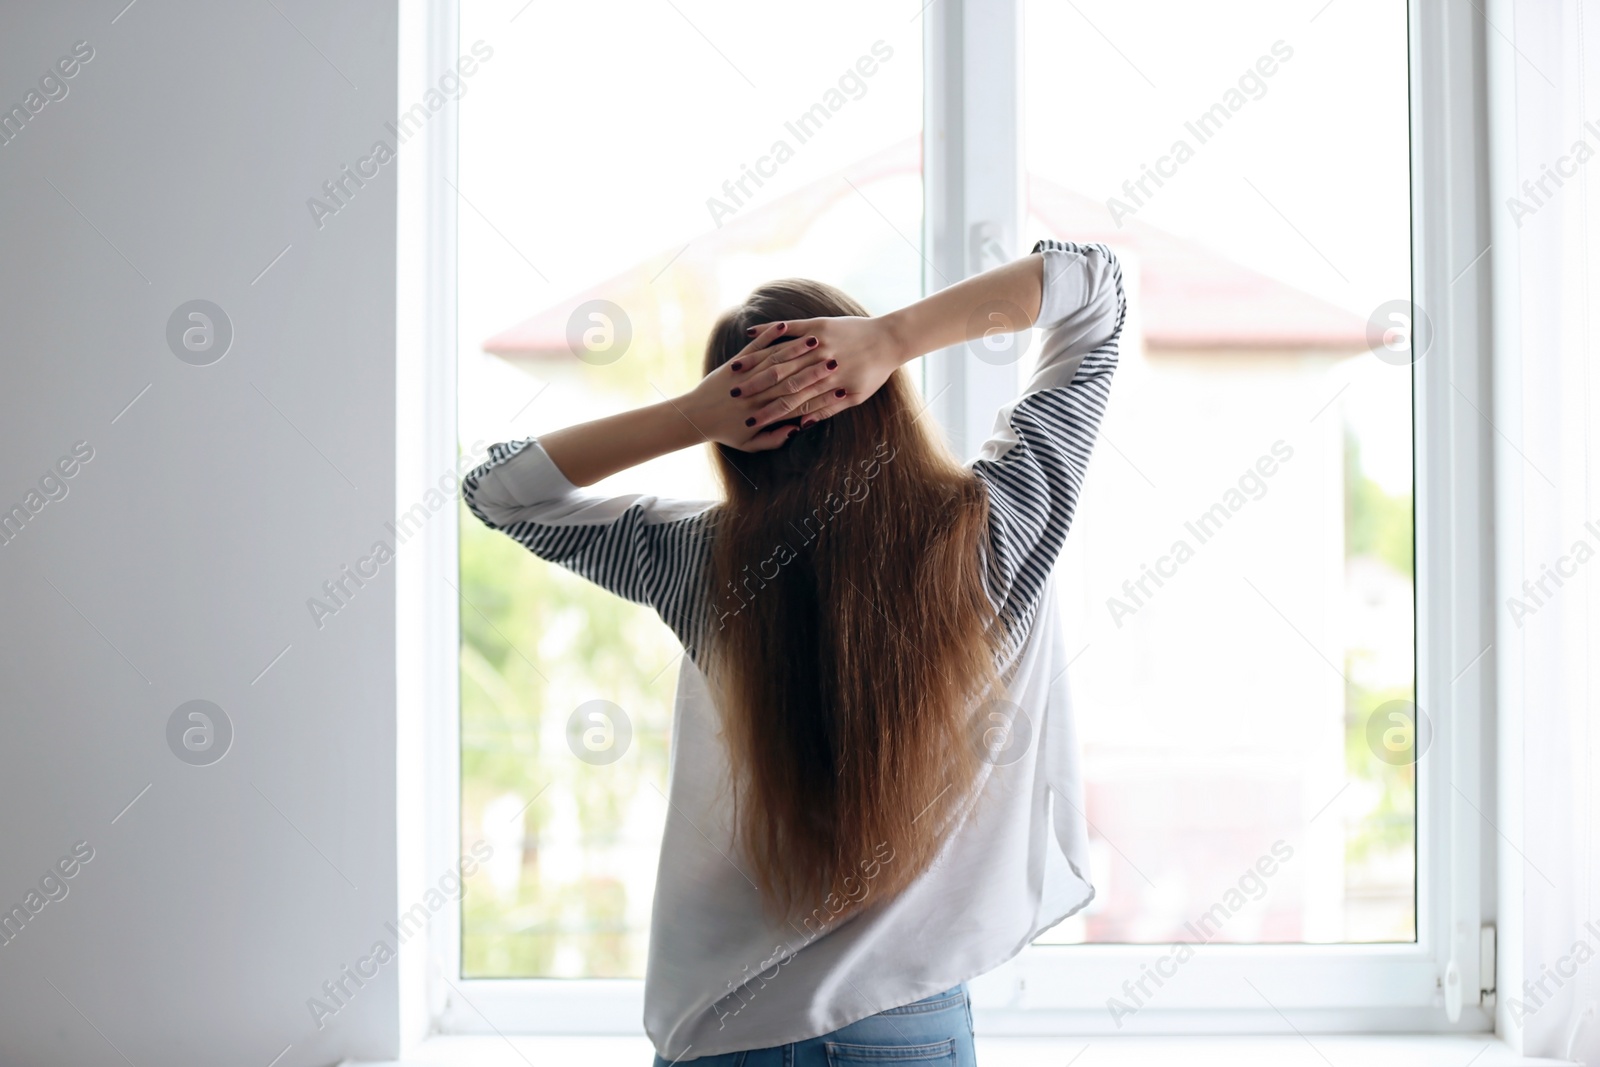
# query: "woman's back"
873,793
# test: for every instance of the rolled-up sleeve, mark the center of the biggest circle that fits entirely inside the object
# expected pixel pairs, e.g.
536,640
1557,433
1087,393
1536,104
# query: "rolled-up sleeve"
1035,462
646,549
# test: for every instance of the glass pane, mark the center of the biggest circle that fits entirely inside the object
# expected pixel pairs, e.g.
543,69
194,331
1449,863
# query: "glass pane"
664,158
1238,590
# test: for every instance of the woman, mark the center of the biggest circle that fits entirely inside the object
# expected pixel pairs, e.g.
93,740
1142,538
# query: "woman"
874,794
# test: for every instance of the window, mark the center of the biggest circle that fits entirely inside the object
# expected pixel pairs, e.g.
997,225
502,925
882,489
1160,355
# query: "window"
1242,701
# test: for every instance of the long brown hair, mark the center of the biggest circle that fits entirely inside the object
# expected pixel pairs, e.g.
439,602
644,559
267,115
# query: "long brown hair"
851,638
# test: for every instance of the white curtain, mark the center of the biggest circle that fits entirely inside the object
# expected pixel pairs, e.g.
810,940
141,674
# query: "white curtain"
1545,102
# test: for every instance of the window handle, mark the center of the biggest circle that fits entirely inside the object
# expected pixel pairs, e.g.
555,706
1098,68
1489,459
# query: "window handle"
985,248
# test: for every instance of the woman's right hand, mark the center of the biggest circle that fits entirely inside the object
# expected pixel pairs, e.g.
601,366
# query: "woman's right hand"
867,351
751,409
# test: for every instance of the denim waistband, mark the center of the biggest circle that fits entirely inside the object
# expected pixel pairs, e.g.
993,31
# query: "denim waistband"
955,996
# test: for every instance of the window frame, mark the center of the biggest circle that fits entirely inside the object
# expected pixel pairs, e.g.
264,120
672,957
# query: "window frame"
973,207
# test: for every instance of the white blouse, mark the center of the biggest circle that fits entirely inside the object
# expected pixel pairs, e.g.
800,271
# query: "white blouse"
722,977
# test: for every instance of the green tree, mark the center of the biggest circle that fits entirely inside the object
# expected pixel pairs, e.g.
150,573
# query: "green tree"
1377,524
537,641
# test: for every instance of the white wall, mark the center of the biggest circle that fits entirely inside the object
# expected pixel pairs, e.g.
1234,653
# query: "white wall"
179,563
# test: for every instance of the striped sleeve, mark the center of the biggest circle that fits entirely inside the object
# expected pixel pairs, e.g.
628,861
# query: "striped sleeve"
643,548
1034,463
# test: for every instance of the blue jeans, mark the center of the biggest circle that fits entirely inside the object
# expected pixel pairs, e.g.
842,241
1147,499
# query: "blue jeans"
936,1030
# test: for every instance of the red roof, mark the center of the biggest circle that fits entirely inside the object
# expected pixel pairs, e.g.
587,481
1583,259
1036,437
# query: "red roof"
1189,296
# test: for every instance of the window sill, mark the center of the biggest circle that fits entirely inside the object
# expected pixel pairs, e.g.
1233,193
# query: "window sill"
1368,1051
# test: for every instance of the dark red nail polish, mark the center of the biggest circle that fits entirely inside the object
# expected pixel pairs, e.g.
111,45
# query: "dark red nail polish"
751,332
733,392
838,392
811,342
806,423
750,422
737,366
833,364
792,431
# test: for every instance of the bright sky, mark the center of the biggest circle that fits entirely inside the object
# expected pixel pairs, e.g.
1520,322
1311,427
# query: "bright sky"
596,133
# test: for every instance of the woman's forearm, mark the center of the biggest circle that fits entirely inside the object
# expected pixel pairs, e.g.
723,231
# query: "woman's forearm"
1006,298
952,315
590,451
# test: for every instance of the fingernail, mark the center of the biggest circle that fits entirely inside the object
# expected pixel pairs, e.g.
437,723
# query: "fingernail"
737,365
751,332
832,364
792,431
811,342
838,392
806,422
750,421
733,392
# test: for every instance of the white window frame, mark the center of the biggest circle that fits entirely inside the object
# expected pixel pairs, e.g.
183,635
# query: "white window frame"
973,215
